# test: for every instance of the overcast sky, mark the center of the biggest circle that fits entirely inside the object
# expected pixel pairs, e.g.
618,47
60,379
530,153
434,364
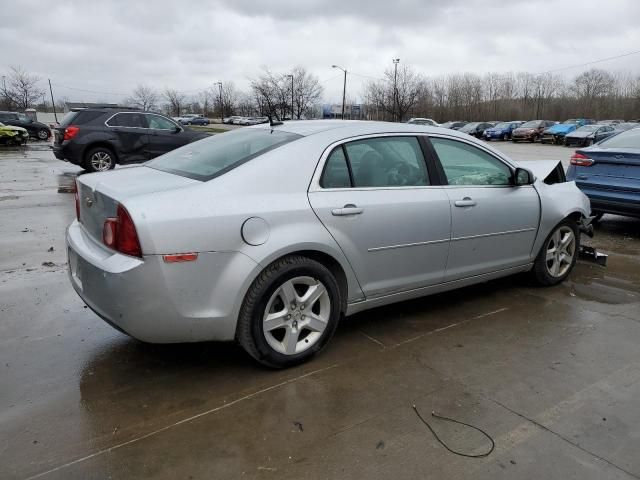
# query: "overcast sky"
112,45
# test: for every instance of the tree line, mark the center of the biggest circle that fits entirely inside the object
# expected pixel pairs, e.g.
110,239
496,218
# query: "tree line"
396,96
594,93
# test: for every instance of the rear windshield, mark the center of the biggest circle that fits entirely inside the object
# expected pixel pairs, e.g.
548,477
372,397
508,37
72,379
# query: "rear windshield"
80,117
628,139
211,157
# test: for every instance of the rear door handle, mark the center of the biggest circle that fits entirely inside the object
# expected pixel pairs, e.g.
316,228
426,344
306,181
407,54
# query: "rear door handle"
465,202
349,209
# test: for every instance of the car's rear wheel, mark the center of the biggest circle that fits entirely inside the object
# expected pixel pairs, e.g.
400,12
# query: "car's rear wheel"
43,134
558,254
505,137
290,312
99,159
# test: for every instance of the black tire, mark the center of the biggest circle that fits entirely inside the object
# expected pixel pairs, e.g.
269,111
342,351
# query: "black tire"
534,138
505,137
597,217
42,134
541,270
249,332
91,161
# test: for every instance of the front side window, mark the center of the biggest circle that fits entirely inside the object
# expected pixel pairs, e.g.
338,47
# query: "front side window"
464,164
160,123
213,156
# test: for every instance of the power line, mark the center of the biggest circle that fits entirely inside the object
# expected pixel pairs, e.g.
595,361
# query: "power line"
590,63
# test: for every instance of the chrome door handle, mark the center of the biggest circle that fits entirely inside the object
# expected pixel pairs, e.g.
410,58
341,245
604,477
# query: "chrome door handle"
465,202
349,209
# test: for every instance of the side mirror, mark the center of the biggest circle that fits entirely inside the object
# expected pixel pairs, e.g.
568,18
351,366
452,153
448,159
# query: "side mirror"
523,177
178,129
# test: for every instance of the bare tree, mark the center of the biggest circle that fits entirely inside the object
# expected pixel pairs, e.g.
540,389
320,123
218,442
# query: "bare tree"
20,89
396,96
307,91
144,97
270,91
591,86
175,101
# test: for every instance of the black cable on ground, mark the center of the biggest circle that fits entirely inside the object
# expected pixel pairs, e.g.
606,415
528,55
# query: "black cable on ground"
433,414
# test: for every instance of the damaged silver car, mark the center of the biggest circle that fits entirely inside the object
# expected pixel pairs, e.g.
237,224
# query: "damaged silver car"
270,235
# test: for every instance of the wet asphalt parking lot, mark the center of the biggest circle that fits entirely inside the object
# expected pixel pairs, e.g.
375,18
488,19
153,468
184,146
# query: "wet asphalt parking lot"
551,374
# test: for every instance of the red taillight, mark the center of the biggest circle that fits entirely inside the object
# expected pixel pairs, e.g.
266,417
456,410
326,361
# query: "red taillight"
120,234
580,160
70,132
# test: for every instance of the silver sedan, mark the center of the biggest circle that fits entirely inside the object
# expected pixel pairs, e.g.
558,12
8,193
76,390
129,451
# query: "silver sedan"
269,235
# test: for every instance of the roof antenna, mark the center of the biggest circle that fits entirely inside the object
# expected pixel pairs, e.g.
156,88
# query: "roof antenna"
272,123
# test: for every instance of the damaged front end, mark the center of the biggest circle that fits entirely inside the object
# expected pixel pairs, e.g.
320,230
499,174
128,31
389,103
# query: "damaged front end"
561,199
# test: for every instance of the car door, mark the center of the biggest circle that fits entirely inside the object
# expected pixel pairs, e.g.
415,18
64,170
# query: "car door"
376,198
130,136
493,222
164,135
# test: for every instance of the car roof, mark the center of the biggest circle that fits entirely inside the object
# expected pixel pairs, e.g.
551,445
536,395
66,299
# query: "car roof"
348,127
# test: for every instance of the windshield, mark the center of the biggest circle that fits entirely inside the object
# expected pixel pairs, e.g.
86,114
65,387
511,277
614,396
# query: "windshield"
588,128
572,120
503,125
470,126
216,155
530,124
628,139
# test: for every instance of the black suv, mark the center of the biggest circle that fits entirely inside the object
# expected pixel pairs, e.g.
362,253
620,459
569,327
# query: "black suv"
36,129
98,138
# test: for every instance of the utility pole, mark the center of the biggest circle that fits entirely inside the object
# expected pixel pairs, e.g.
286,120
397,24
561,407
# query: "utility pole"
53,103
221,104
396,61
4,91
291,95
344,87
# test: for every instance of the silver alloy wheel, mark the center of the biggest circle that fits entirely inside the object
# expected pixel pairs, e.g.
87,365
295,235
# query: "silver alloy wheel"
296,315
42,134
560,251
101,161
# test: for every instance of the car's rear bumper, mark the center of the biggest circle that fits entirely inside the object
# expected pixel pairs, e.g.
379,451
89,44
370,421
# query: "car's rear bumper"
155,301
67,152
610,201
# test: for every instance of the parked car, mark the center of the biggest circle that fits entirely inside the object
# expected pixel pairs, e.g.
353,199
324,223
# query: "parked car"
453,125
610,122
556,133
423,121
588,135
530,131
36,129
623,127
193,119
609,174
502,131
10,135
230,120
208,243
475,129
98,139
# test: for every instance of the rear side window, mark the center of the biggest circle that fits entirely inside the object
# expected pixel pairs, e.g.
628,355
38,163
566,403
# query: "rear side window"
464,164
628,139
336,171
130,120
213,156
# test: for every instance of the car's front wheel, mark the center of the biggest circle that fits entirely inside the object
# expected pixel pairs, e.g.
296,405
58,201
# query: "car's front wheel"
43,134
290,312
99,159
558,254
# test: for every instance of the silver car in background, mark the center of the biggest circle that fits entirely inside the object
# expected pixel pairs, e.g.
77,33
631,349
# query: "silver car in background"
269,235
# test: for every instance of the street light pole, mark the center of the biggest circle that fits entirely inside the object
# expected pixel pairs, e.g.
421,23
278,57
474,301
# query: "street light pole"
395,86
221,104
53,102
344,87
290,75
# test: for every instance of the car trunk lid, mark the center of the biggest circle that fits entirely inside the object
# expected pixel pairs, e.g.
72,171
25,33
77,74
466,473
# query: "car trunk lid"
99,194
